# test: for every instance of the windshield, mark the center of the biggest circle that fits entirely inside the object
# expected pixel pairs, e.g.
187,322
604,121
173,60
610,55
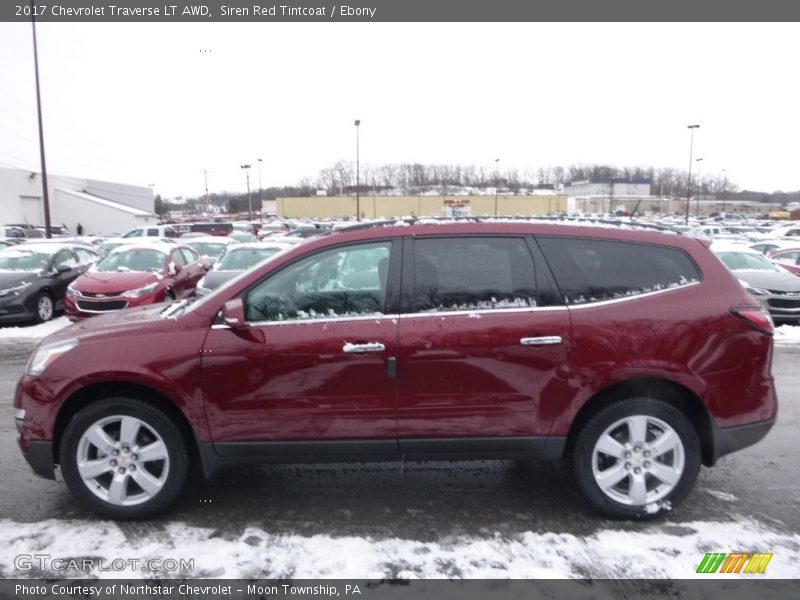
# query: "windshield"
208,248
745,261
244,258
135,259
20,259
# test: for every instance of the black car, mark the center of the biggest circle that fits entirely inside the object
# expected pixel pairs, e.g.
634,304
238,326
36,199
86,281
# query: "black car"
34,278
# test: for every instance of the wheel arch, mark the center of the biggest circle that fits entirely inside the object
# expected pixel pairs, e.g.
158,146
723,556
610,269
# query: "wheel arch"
675,394
96,392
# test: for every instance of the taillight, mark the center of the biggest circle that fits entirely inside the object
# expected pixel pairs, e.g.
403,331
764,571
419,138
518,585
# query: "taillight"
757,318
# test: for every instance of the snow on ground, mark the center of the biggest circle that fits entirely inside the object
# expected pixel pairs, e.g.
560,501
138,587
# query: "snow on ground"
658,550
34,332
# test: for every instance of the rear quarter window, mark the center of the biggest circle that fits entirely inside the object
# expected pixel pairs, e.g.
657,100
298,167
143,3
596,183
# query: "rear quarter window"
589,270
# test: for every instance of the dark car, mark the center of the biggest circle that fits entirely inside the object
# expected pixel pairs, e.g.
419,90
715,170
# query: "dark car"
633,355
237,258
210,248
134,275
34,279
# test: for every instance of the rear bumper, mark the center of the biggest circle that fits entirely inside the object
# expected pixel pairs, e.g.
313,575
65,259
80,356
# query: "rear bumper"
735,438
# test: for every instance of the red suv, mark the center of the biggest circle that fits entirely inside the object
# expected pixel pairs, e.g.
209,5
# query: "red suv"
632,354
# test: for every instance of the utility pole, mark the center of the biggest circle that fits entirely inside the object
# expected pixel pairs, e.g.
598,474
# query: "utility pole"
689,182
358,178
699,188
45,193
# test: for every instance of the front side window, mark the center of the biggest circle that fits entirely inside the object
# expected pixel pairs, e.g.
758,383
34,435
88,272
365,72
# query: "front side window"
591,270
64,257
456,273
347,281
134,233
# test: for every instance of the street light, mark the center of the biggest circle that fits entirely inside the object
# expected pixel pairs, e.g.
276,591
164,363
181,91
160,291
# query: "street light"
260,193
496,161
689,182
699,187
724,189
249,202
357,123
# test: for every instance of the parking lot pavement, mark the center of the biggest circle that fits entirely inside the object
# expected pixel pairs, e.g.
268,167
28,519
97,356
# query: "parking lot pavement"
429,501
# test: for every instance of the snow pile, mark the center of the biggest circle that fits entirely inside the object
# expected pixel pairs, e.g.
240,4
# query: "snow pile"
660,550
787,334
36,332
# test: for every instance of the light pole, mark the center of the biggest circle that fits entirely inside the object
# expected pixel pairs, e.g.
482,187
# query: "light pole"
699,187
249,202
496,183
357,123
689,182
724,189
260,196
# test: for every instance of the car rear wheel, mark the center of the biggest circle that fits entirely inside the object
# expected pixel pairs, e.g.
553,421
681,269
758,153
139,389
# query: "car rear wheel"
44,308
124,458
637,458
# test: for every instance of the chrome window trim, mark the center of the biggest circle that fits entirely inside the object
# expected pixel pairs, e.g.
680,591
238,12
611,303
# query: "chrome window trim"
633,297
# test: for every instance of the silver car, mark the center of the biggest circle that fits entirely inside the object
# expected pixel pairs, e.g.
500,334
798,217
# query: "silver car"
775,287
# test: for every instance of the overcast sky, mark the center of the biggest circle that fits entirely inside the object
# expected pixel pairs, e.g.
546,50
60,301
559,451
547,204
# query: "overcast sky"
158,103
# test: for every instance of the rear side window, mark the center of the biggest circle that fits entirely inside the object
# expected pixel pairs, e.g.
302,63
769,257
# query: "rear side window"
473,274
590,270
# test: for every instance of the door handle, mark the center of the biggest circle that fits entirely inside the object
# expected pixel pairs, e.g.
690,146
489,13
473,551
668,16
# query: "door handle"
349,348
545,340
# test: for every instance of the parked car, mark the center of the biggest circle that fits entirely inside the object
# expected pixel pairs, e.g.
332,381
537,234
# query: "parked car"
775,287
34,278
209,247
106,246
163,231
12,233
788,258
633,355
211,228
134,275
238,258
243,237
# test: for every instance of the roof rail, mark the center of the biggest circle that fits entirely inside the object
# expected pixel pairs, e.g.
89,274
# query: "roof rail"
489,219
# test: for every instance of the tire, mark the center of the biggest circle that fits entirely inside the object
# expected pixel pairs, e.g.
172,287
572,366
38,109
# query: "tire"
627,475
44,308
102,463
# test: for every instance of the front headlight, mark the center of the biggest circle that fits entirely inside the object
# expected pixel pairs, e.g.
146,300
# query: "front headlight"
753,290
14,291
144,291
44,356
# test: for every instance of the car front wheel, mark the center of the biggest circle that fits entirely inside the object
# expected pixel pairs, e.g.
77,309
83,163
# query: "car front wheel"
44,308
636,458
123,458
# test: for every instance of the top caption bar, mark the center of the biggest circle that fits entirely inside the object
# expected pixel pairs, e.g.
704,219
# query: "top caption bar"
240,11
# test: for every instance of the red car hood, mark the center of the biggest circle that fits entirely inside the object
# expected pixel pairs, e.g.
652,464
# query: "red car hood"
97,282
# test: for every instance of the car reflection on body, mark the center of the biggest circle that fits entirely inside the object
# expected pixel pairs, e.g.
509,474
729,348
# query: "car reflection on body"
788,258
236,259
775,287
134,275
34,278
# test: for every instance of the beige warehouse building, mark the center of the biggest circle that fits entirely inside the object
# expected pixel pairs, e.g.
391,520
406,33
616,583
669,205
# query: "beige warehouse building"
377,207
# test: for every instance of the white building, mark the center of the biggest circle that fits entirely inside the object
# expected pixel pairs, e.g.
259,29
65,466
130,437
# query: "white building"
615,188
101,207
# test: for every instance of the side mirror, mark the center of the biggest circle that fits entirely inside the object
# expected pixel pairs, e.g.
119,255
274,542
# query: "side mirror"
173,269
233,314
63,268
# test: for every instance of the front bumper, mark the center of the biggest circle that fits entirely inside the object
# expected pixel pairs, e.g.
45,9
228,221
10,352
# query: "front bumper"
40,458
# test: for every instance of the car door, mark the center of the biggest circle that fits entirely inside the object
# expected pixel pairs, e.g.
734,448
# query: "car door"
316,361
60,280
483,338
